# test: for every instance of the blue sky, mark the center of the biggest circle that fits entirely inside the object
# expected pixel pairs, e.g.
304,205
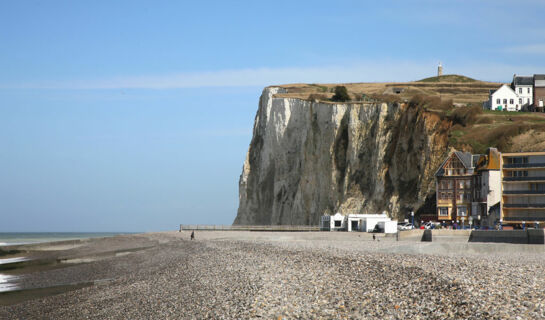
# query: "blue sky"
137,115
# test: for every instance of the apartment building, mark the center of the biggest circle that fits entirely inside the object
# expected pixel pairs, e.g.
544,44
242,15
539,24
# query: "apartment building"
523,187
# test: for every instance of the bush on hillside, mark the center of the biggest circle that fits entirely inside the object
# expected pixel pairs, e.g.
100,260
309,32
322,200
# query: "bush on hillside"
317,97
500,136
430,102
465,115
341,94
484,120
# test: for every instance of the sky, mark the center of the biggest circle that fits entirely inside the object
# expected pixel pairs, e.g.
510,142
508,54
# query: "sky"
136,116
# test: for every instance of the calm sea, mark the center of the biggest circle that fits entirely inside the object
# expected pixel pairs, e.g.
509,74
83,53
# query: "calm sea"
12,238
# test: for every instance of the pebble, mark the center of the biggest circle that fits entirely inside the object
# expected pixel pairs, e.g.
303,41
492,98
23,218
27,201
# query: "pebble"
251,279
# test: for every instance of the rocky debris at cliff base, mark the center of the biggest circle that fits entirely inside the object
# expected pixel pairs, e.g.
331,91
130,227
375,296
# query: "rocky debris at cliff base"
300,277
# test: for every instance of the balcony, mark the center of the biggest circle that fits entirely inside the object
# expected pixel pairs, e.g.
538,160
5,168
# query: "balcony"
525,192
523,165
507,179
527,219
524,205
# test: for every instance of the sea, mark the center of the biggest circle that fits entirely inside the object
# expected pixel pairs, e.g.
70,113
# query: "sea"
9,282
15,238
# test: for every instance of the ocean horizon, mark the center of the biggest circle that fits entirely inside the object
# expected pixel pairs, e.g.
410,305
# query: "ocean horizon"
17,238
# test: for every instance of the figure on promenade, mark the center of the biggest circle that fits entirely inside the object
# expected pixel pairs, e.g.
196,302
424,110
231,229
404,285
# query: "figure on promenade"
192,235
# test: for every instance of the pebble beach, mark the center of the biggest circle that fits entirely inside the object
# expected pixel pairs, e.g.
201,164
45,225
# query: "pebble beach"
283,275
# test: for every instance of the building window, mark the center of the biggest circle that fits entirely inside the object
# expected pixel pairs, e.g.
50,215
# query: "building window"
462,211
467,184
520,90
504,101
528,90
511,101
537,186
517,160
498,101
337,223
443,211
520,173
520,100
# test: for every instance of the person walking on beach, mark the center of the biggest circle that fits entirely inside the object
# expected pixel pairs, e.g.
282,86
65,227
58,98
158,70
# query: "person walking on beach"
192,235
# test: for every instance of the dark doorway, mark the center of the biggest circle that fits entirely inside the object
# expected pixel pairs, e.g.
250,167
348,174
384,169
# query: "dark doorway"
354,225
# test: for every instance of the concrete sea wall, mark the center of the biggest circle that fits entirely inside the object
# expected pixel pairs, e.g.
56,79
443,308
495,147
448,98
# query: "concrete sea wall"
530,236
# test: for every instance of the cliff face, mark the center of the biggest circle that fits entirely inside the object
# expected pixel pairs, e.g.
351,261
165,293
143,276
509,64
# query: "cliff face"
308,158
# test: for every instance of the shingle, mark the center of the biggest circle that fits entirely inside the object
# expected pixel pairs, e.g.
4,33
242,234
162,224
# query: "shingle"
523,81
466,158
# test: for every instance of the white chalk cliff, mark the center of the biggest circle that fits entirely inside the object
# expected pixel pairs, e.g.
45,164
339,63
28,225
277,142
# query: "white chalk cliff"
309,158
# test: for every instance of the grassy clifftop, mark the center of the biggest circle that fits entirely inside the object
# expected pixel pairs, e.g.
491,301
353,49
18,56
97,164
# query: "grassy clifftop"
449,78
454,98
457,88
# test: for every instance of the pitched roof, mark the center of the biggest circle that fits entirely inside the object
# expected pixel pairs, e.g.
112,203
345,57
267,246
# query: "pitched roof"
466,158
539,76
523,80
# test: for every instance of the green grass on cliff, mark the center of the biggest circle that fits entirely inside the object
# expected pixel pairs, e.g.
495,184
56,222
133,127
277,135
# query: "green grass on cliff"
456,100
474,129
448,78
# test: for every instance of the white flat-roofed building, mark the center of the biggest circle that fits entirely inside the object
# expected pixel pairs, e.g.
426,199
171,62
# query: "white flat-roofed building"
357,222
335,222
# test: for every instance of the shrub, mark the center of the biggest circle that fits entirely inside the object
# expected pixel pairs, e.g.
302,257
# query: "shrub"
317,96
465,116
430,102
341,94
484,120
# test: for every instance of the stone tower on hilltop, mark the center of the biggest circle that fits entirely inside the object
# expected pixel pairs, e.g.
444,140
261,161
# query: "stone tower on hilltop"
439,70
